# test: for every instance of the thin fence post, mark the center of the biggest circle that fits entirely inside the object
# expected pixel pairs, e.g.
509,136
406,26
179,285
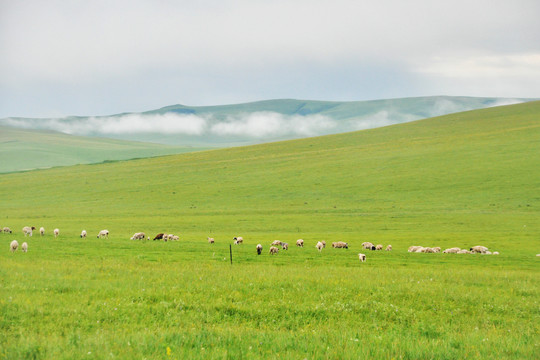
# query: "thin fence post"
230,252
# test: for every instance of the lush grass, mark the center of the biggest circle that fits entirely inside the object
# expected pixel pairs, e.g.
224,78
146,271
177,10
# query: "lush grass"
32,149
459,180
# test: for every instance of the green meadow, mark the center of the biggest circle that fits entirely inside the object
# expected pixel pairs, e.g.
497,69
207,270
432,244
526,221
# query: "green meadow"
460,180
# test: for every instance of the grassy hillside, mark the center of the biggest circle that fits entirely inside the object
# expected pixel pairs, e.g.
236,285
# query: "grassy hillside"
458,180
31,149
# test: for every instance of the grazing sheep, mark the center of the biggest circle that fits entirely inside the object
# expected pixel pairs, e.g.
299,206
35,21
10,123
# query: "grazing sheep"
27,230
420,249
389,248
479,249
273,250
42,231
238,240
103,234
285,246
495,253
340,245
14,245
259,249
138,236
83,234
276,243
210,240
437,249
56,232
319,246
24,247
176,238
368,246
323,243
453,250
379,247
428,250
362,257
413,248
159,236
7,230
463,251
300,243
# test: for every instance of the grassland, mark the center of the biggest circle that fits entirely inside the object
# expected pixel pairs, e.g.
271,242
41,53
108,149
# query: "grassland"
458,180
36,149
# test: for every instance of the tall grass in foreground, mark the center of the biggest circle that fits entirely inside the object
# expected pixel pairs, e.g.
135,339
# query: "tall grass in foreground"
70,298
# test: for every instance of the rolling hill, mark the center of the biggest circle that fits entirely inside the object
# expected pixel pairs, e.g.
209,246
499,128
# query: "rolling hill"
464,177
32,149
257,122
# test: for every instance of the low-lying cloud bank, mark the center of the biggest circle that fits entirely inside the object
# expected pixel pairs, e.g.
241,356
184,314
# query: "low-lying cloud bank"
255,126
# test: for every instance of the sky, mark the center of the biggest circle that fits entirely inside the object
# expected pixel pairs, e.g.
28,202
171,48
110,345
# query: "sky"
92,58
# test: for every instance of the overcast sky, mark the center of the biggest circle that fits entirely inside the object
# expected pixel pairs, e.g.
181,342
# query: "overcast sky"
98,57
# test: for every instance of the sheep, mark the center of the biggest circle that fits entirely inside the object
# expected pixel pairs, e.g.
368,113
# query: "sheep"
323,243
42,231
420,249
174,237
378,247
300,243
368,246
389,248
487,252
463,251
362,257
7,230
495,253
27,230
159,236
437,249
538,255
210,240
83,234
165,237
414,248
453,250
24,247
56,232
14,245
285,246
103,234
273,250
428,250
319,246
138,236
259,249
340,245
276,243
238,240
479,249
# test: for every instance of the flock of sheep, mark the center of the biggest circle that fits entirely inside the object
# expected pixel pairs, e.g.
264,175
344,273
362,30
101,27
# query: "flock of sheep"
274,246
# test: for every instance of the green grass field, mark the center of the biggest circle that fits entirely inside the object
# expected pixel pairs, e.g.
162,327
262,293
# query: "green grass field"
22,150
460,180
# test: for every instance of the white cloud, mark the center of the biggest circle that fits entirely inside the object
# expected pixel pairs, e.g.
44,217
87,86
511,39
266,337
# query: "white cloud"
263,124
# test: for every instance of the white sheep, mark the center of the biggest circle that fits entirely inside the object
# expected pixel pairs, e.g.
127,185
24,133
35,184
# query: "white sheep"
14,245
56,232
368,245
174,237
495,253
210,240
300,243
238,240
479,249
83,234
138,236
103,234
362,257
24,247
276,243
319,246
273,250
379,247
259,249
7,230
463,251
285,246
42,231
27,230
389,248
453,250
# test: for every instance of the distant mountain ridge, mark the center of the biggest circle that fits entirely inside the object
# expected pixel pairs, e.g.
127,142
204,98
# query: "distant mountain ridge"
257,122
